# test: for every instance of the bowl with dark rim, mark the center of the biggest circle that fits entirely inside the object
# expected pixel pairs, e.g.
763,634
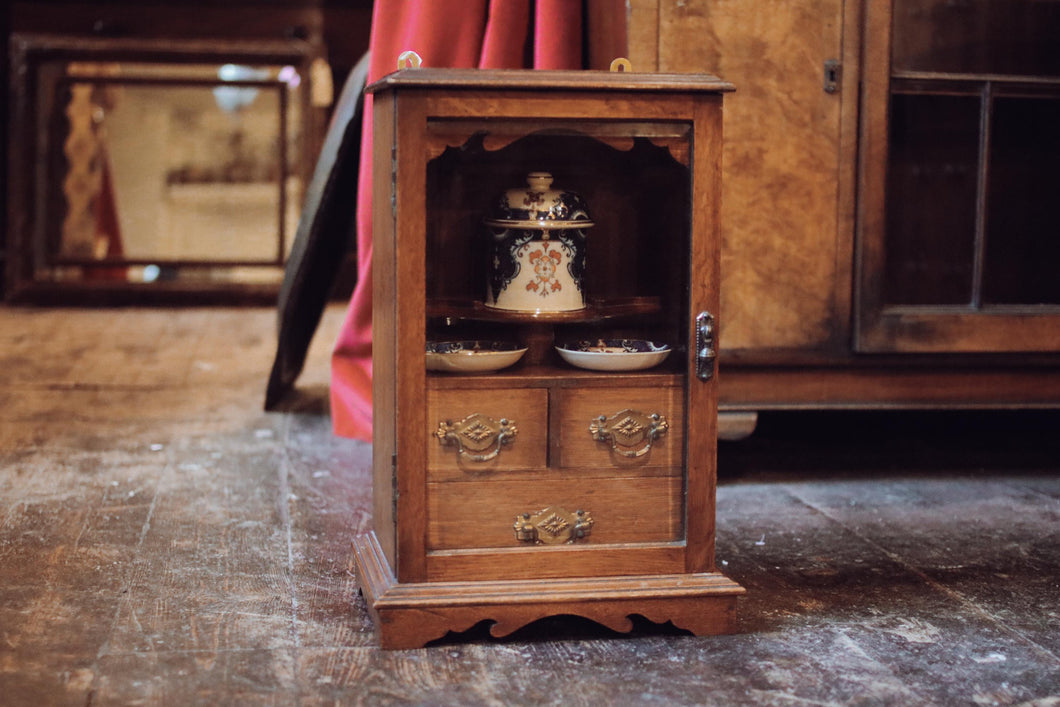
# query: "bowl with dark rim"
472,355
613,354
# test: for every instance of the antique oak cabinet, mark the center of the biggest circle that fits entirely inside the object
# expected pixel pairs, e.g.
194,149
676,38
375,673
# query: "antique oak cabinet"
542,488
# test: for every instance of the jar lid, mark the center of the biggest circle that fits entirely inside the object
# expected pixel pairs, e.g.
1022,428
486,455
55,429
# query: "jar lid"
538,205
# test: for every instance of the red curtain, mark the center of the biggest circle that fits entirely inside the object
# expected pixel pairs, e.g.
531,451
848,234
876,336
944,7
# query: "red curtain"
488,34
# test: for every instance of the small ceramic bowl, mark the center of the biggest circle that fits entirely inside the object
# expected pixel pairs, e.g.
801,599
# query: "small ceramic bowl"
614,354
472,356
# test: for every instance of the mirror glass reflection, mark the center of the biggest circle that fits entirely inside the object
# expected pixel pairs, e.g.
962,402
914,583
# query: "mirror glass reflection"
161,172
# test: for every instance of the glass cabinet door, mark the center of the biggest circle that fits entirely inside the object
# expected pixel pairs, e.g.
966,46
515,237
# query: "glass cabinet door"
958,246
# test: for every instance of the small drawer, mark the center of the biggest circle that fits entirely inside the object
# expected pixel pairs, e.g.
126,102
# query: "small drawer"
618,428
485,514
477,431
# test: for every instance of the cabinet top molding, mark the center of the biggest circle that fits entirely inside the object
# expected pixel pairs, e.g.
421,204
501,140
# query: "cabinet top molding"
551,80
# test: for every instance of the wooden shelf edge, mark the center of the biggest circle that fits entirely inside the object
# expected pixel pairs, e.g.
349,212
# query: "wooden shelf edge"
556,376
595,310
411,615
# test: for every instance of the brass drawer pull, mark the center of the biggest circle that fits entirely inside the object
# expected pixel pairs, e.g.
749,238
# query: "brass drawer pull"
629,432
477,437
553,526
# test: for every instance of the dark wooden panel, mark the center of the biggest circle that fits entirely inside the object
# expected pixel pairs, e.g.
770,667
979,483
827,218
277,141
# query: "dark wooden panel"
932,186
1022,261
986,37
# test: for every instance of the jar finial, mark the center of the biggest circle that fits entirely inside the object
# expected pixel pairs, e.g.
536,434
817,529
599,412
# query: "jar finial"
539,181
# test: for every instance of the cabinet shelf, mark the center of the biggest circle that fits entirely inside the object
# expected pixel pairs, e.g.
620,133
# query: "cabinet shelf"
596,311
547,376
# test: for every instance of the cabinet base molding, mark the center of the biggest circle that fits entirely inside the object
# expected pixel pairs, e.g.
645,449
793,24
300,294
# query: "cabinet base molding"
411,615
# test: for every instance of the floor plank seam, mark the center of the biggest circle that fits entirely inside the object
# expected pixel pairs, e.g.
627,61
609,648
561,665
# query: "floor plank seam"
125,599
284,469
964,601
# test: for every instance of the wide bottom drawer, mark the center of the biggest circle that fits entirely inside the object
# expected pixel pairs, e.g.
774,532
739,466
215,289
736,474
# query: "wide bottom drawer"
484,514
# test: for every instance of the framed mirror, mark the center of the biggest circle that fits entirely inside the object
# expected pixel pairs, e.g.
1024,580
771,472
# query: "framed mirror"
156,171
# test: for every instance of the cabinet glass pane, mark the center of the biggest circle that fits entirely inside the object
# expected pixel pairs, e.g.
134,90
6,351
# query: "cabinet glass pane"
1022,264
1015,37
931,195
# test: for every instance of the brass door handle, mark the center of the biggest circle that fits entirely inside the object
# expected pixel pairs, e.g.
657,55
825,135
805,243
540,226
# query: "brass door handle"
477,437
705,351
629,432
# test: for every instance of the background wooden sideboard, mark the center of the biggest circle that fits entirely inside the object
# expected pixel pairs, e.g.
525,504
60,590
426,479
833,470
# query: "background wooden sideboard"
807,319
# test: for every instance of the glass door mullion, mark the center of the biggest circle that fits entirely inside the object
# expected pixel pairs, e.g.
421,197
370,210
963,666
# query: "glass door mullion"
986,104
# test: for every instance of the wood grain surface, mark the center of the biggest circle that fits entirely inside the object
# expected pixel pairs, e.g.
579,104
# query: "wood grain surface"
472,514
783,258
526,409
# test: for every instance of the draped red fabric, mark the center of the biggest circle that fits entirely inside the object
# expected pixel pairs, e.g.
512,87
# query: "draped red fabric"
488,34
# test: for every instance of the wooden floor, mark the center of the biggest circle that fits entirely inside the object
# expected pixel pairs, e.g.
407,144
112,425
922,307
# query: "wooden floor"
165,541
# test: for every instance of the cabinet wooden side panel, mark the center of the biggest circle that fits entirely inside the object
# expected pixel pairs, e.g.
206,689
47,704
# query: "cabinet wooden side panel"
384,341
410,160
781,157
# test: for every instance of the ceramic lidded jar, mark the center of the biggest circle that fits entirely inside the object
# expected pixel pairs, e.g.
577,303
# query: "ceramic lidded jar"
537,248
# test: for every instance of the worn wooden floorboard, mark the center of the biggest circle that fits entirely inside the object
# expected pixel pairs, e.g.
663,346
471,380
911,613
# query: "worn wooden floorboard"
165,541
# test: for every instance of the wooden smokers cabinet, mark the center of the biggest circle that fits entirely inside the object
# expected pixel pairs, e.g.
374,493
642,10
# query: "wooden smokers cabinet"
543,489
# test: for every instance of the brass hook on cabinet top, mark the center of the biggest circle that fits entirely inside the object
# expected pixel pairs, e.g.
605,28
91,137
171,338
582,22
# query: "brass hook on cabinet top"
409,60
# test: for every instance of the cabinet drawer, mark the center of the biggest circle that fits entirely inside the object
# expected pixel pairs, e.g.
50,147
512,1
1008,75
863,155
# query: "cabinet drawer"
482,514
624,438
473,431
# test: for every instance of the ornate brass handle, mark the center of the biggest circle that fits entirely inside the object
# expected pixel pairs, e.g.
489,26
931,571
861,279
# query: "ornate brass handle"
629,432
477,437
553,526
